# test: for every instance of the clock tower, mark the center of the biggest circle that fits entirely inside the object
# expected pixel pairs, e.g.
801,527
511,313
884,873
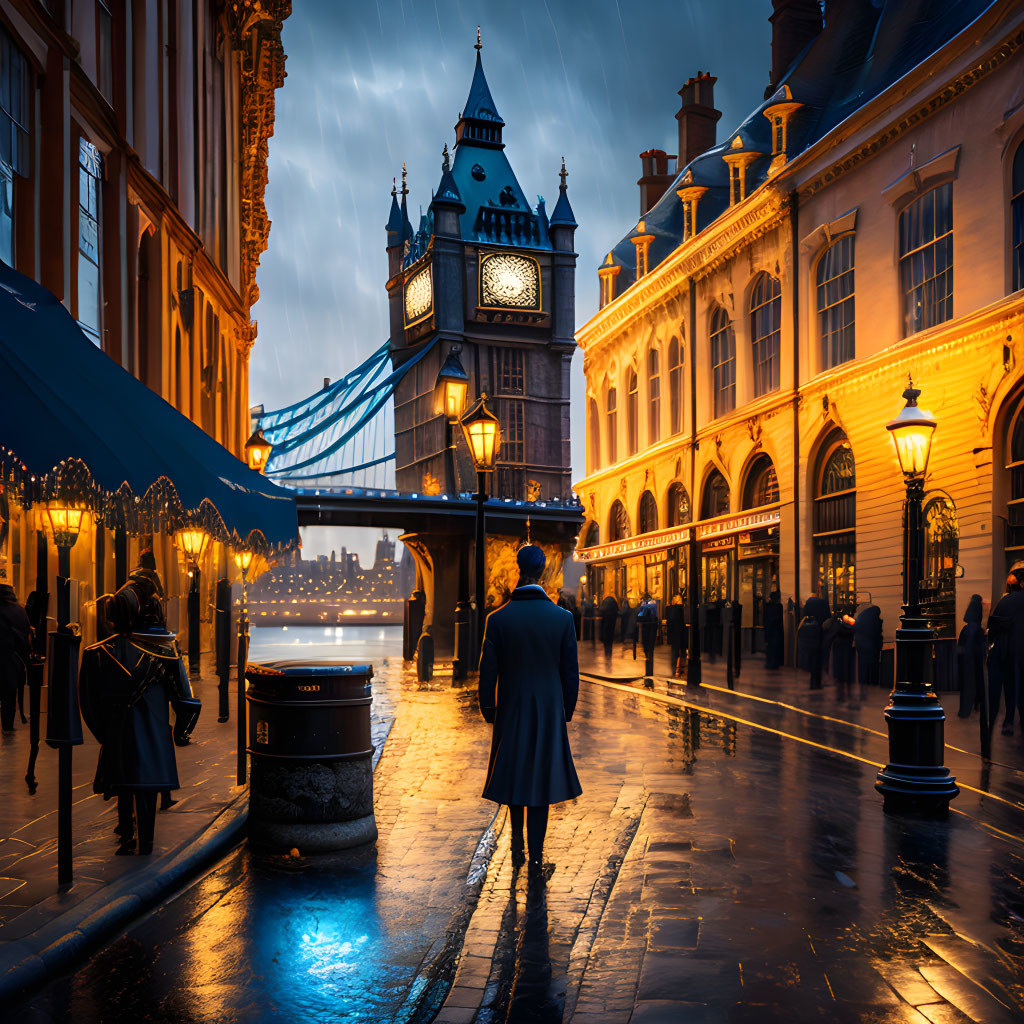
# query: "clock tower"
486,282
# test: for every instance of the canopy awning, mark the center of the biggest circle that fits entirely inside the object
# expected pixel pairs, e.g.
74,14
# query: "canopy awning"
74,425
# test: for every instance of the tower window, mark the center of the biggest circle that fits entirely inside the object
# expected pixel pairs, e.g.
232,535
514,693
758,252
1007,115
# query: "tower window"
512,430
510,371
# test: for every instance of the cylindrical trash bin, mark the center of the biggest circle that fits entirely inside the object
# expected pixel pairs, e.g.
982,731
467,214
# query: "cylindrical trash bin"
312,774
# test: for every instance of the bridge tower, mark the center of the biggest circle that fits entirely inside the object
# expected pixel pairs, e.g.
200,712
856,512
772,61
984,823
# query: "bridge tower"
491,277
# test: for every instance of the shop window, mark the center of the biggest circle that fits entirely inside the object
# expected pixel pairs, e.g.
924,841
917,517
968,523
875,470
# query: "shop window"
618,522
675,385
648,517
678,505
766,332
1017,218
653,397
14,143
632,412
835,303
611,408
593,435
723,362
90,173
926,259
716,497
835,521
762,487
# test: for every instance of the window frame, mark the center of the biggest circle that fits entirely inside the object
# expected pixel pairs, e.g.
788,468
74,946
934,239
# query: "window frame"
94,334
765,305
1015,218
675,385
611,408
713,476
820,311
653,395
902,258
647,507
715,339
677,487
632,411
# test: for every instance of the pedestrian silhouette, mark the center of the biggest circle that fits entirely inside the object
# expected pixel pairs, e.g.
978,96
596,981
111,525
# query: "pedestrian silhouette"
773,632
1006,653
529,683
675,631
15,647
609,616
810,637
970,648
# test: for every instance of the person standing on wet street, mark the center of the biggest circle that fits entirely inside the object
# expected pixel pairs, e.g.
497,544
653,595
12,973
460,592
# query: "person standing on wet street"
609,616
1006,653
867,641
675,631
773,632
529,683
810,637
15,647
647,633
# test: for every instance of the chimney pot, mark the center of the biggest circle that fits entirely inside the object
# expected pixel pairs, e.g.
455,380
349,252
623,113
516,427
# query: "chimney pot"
697,118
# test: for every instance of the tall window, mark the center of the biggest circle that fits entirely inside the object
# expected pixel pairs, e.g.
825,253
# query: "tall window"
1017,218
762,487
926,259
104,51
593,434
723,362
653,397
678,505
716,497
632,412
612,411
90,172
835,303
765,332
675,385
14,148
648,518
618,522
1015,467
512,430
510,371
835,522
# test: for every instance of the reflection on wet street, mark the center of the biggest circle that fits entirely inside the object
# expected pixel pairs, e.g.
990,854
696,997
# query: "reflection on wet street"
710,871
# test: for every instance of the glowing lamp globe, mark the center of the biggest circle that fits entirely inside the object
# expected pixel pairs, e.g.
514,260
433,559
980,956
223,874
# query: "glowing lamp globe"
257,451
192,541
65,523
453,382
483,434
243,559
912,432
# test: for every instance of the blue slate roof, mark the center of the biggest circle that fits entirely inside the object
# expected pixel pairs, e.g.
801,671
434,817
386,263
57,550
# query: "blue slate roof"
480,105
862,50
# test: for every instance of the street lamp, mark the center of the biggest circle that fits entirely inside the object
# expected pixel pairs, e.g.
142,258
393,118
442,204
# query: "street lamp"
192,541
454,384
915,777
257,451
243,560
65,522
483,434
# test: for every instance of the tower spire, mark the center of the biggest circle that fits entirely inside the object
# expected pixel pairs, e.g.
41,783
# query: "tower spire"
479,46
563,174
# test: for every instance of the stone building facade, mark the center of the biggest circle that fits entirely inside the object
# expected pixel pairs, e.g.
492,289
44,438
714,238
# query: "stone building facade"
758,326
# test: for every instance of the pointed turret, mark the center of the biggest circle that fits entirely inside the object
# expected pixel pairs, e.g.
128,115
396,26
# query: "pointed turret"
407,231
480,123
447,204
394,225
562,215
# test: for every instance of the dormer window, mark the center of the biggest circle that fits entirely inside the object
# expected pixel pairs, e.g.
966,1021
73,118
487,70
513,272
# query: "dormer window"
779,112
607,274
738,159
642,241
690,195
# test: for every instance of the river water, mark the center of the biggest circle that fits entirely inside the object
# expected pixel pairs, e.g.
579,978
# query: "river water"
373,644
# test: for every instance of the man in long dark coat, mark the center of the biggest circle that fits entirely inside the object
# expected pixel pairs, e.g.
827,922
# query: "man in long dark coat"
867,640
773,632
810,640
970,649
15,647
1006,653
675,631
529,683
646,632
609,616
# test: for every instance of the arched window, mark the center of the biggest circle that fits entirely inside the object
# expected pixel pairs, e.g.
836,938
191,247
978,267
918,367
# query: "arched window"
653,397
723,362
926,259
612,411
766,332
648,517
618,522
593,435
835,522
716,497
593,536
1015,467
762,486
675,385
632,412
678,505
835,303
1017,218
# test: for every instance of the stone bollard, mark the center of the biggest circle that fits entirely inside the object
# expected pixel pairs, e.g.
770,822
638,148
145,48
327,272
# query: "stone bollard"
312,773
425,656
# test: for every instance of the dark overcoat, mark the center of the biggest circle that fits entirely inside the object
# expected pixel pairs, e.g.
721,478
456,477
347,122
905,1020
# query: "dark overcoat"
810,639
867,640
773,634
609,616
126,694
15,646
529,683
970,649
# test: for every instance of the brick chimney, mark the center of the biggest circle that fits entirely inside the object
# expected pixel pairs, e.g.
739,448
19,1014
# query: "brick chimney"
697,117
794,24
655,177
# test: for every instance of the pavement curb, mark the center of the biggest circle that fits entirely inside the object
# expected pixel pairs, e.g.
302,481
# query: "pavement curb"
55,946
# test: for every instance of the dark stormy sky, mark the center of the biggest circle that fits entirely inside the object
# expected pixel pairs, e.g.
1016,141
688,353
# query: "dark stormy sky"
372,84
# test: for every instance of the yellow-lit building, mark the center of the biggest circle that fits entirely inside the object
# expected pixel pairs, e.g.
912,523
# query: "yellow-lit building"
758,325
133,165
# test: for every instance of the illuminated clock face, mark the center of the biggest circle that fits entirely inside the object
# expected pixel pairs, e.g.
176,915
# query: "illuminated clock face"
509,280
419,296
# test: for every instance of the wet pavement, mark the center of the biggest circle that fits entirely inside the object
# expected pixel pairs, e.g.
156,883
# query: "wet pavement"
719,866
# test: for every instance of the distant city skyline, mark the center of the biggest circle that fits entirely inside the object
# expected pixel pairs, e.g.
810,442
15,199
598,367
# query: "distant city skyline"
371,86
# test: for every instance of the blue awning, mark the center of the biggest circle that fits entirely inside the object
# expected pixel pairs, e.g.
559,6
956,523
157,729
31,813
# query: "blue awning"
72,420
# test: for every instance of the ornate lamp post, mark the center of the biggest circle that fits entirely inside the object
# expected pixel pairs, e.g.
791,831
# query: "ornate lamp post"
483,435
192,541
243,559
915,777
63,721
257,451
